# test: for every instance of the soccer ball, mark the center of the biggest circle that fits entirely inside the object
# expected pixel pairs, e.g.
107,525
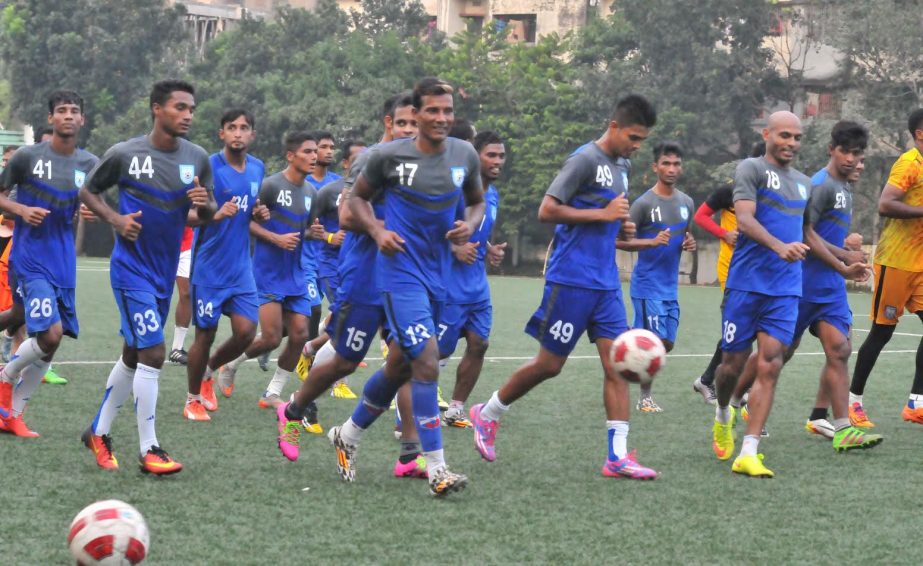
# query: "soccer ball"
638,355
108,532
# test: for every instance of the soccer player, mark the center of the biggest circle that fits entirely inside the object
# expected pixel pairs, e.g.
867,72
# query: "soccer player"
898,266
358,313
824,307
164,181
280,266
183,315
721,201
222,282
588,202
468,311
663,224
422,180
763,286
47,177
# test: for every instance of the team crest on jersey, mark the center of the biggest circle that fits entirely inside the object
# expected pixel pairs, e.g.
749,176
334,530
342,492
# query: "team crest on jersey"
803,191
493,213
684,212
79,178
458,176
254,188
625,180
307,203
891,313
186,173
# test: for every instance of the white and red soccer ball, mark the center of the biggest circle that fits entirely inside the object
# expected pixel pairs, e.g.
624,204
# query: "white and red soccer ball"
108,532
638,355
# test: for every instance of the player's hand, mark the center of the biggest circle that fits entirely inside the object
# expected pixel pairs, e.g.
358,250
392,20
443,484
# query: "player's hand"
338,237
128,227
467,252
197,194
689,243
87,214
617,209
858,272
855,256
227,210
496,253
731,237
33,215
853,242
389,243
260,212
460,233
288,241
795,251
663,238
317,230
628,231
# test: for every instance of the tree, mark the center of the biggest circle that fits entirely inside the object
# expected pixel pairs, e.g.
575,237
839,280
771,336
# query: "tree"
108,50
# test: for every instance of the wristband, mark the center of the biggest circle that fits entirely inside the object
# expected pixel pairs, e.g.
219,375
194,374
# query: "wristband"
330,238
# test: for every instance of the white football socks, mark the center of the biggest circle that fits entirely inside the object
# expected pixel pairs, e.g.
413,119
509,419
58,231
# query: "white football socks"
29,378
179,336
493,409
145,390
118,387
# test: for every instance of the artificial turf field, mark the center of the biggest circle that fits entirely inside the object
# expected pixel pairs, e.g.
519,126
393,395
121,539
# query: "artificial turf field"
238,501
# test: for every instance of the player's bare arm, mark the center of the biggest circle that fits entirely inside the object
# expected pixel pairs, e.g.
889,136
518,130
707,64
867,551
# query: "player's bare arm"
750,227
891,204
554,211
126,225
389,243
285,241
820,248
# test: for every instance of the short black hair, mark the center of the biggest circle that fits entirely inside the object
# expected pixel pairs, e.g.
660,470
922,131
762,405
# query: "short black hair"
347,147
43,131
462,129
9,148
161,91
293,140
234,113
758,149
913,123
486,138
667,148
59,97
430,86
323,135
849,135
399,100
634,110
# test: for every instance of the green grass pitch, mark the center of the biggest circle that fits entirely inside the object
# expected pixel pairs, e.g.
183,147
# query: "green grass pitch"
240,502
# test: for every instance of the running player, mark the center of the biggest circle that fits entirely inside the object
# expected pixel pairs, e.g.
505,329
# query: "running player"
468,311
588,202
280,267
763,286
422,180
164,181
824,307
222,282
663,223
898,266
183,315
47,177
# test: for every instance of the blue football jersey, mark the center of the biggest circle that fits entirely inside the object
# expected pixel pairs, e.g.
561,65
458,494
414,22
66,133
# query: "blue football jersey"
780,196
153,182
277,271
359,252
328,202
312,248
583,255
467,283
45,179
221,250
656,275
421,194
830,212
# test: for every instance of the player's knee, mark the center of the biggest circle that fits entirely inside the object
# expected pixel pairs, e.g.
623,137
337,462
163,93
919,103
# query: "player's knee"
49,340
790,351
271,339
343,367
153,356
667,345
769,366
477,346
298,335
550,366
840,350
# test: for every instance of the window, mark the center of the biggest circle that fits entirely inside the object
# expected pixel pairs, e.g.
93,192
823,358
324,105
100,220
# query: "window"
520,27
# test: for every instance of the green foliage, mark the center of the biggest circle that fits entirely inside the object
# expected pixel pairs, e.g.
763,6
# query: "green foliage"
107,50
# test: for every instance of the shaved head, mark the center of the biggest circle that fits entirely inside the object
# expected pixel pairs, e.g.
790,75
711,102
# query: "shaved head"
783,137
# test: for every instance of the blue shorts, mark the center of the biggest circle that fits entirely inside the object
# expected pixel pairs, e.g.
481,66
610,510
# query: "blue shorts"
837,314
328,288
352,329
747,313
142,314
301,304
209,303
660,317
411,314
566,312
46,305
456,318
